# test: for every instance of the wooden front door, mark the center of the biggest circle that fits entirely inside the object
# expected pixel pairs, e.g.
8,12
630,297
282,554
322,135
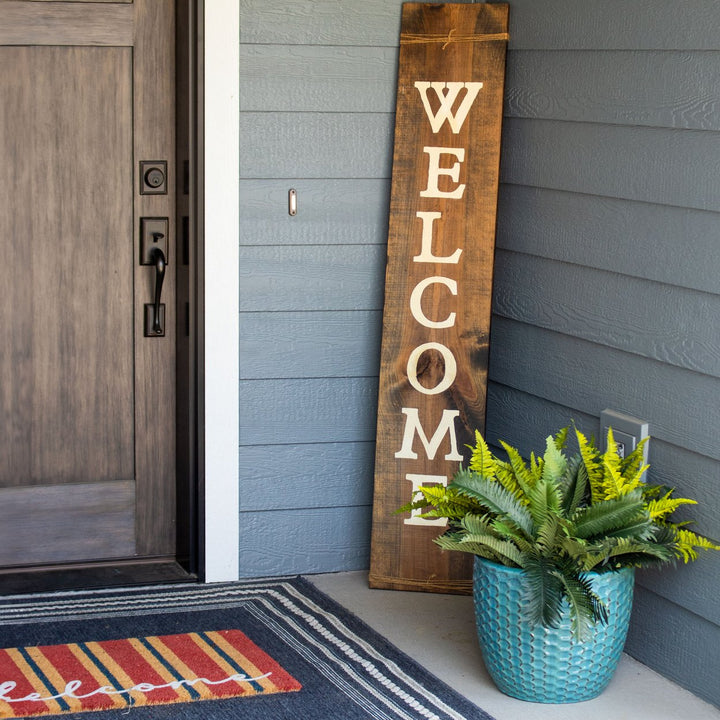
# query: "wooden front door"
87,428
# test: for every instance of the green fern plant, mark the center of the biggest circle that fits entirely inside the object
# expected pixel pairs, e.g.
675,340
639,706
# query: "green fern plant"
559,518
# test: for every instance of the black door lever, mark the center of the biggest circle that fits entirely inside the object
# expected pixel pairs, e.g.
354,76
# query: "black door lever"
158,260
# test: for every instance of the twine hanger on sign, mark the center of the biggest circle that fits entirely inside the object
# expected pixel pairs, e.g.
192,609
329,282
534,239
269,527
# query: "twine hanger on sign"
451,37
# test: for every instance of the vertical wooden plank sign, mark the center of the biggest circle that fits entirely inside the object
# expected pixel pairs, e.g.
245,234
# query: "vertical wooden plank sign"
438,287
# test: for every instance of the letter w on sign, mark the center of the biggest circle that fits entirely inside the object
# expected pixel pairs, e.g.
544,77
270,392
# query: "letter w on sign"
447,93
441,241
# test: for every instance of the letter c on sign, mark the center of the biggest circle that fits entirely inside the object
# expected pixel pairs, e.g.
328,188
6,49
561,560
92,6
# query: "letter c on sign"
416,302
450,368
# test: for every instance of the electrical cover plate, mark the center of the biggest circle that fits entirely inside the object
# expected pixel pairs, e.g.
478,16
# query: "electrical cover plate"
627,430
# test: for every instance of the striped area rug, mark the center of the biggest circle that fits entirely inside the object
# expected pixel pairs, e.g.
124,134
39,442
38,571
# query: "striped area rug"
55,679
257,650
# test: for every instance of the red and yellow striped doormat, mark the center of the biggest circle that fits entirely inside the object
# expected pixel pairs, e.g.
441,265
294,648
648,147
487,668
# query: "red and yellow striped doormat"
113,674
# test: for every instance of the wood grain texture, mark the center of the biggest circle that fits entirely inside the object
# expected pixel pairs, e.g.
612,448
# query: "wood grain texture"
636,163
311,78
654,89
65,308
338,541
330,212
311,278
591,377
403,555
668,326
685,652
672,245
82,115
154,138
64,523
306,411
317,475
281,145
70,23
317,344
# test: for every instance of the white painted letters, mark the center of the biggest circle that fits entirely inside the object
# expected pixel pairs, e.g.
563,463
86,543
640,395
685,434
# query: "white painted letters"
426,255
447,93
435,171
446,426
416,302
450,368
446,98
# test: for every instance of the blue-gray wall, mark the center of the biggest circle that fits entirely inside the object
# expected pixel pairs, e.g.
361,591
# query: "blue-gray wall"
607,277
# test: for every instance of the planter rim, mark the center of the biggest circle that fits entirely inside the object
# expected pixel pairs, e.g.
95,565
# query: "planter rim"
499,567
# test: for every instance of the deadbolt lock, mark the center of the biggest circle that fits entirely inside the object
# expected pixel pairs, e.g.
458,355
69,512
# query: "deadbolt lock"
153,177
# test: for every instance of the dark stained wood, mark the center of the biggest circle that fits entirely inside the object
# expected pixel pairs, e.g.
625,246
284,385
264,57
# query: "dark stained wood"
403,555
87,403
72,23
155,357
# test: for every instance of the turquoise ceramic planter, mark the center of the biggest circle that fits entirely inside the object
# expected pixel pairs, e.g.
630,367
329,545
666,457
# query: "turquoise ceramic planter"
547,664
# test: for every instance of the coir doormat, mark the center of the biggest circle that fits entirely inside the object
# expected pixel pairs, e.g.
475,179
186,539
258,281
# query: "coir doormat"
267,649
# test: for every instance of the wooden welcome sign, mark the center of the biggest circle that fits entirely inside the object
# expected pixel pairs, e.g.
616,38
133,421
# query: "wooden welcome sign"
438,288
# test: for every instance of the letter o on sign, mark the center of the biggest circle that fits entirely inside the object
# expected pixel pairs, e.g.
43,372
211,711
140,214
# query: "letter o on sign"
450,368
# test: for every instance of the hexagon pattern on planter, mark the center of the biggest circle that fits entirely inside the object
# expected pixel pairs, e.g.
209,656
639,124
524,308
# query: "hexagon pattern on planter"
541,664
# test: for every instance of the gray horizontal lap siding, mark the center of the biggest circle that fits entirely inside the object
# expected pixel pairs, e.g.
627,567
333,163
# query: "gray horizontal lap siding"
607,286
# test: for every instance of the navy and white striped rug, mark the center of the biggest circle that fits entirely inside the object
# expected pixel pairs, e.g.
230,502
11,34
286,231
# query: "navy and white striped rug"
346,669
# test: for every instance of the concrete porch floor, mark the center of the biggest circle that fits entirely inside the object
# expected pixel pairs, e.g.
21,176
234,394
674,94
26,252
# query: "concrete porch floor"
438,631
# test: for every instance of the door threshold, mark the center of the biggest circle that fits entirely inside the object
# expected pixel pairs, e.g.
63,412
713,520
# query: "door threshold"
93,576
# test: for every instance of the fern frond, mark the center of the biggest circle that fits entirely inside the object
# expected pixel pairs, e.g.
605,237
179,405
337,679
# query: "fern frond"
574,487
482,543
634,554
632,463
494,497
688,544
593,466
608,516
554,463
543,592
482,461
524,475
547,536
509,531
449,542
667,505
506,477
507,551
560,438
586,608
439,501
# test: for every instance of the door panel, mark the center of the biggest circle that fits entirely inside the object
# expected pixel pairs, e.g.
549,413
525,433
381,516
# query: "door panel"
66,134
86,401
70,23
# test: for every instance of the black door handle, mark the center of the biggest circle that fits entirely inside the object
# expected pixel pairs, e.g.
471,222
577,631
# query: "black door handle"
157,257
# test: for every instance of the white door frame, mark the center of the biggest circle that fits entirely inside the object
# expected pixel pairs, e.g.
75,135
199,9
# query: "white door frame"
222,289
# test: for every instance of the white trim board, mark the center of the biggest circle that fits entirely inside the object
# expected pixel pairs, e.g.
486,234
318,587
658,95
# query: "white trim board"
222,68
